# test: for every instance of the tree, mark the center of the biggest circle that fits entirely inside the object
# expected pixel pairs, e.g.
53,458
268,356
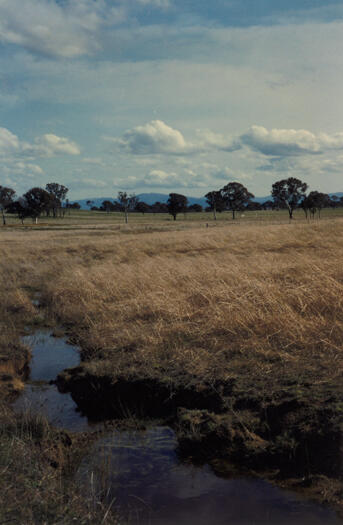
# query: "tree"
159,207
58,193
127,202
253,206
289,192
236,197
6,198
142,207
176,204
314,202
215,202
20,208
74,206
195,208
37,201
268,205
107,206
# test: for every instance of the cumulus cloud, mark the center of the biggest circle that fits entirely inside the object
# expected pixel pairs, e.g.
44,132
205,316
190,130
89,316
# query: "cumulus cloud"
210,139
50,145
18,157
67,29
289,142
153,138
184,178
9,143
154,179
156,137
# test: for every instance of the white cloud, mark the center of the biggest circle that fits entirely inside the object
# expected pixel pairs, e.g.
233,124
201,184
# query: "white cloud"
50,145
9,143
218,141
93,183
153,138
169,180
66,30
18,157
289,142
163,4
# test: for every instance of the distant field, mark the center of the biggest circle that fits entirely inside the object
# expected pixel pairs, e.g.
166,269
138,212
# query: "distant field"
83,217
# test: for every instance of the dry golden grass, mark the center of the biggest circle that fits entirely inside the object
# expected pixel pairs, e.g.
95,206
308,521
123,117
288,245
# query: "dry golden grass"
203,302
260,306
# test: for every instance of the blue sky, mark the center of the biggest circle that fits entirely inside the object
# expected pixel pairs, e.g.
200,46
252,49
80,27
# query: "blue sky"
170,95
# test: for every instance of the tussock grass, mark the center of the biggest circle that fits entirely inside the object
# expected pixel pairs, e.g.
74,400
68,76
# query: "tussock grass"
259,307
203,302
34,486
208,304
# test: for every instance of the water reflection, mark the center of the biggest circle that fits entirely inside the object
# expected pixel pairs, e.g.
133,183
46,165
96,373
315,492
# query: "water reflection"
150,486
51,355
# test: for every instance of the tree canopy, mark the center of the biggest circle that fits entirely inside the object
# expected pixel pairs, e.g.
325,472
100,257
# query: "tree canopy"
6,198
176,203
289,192
215,202
127,202
235,196
37,200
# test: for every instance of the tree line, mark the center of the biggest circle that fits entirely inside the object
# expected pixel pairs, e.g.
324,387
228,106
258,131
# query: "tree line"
287,194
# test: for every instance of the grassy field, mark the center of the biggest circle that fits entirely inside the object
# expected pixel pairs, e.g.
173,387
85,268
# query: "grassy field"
74,218
234,334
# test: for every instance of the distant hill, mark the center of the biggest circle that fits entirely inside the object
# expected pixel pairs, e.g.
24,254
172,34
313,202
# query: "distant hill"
151,198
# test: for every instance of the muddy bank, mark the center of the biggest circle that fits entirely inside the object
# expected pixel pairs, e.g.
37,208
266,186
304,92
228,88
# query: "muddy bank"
297,435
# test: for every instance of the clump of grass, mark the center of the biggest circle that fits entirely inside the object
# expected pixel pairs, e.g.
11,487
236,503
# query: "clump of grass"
33,485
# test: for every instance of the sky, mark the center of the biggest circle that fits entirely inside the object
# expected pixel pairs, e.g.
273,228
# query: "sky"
170,95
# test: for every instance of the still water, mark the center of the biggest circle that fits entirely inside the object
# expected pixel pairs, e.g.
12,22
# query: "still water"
139,472
51,355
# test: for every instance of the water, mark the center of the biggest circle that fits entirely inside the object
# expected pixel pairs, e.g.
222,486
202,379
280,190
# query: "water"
50,356
140,470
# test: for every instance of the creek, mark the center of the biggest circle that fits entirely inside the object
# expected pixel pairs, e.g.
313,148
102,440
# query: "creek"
51,355
139,471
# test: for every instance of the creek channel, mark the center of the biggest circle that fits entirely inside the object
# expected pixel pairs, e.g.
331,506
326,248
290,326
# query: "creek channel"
139,471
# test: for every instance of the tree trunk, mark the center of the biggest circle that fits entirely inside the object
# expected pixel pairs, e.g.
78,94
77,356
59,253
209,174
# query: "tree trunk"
214,213
126,217
290,210
233,214
3,217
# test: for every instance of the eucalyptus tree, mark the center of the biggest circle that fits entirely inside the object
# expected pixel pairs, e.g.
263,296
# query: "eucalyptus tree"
176,203
36,202
58,194
289,192
236,197
215,202
6,198
128,203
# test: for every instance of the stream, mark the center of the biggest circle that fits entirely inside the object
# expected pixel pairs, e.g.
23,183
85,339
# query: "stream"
139,471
